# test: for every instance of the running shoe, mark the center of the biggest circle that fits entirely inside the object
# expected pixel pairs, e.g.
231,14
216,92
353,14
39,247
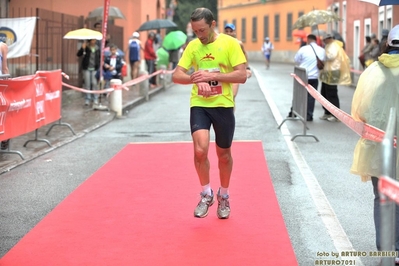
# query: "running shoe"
223,211
202,208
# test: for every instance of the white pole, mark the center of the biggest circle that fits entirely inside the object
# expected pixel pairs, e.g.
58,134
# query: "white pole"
116,97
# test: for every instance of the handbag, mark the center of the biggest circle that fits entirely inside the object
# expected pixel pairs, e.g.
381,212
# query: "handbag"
320,64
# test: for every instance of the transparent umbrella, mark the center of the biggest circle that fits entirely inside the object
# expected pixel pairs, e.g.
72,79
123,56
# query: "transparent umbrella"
314,18
113,13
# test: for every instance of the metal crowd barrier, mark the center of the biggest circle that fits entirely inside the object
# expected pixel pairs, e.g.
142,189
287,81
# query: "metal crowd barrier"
300,103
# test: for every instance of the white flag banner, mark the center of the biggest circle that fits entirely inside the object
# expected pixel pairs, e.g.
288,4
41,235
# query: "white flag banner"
17,33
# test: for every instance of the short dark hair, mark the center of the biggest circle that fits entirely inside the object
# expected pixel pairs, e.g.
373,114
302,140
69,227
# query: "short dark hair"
202,13
368,39
312,37
97,24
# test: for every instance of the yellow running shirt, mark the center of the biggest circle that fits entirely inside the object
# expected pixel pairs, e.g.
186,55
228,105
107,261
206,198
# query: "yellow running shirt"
221,55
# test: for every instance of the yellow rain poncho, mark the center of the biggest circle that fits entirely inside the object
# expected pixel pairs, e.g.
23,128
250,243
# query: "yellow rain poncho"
336,66
376,92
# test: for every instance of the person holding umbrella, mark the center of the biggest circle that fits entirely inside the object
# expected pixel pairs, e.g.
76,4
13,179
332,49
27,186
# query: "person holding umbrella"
90,64
218,61
173,42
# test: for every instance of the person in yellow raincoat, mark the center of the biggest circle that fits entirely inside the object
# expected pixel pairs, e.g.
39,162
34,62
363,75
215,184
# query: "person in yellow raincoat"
376,92
336,72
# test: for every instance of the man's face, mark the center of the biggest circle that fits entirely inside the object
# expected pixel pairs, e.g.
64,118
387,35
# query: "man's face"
203,31
230,32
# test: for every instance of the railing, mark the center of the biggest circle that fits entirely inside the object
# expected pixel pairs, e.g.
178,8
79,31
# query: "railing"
300,102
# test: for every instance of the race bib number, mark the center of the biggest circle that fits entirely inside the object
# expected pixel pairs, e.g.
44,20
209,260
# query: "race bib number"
216,86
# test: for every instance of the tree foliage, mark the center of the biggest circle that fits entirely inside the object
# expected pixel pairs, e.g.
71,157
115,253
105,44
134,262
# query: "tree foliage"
186,7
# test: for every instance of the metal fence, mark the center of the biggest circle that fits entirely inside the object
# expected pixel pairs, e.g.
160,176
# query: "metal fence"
49,50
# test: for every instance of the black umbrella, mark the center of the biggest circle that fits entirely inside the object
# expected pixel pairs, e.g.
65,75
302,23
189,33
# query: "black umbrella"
157,24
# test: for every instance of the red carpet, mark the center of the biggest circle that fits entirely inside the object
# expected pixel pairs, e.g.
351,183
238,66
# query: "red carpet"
138,210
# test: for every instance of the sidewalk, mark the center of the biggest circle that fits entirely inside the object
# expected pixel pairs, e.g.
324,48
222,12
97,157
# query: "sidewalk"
81,119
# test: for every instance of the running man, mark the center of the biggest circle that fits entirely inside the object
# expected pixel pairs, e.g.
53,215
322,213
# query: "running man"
267,48
218,61
230,29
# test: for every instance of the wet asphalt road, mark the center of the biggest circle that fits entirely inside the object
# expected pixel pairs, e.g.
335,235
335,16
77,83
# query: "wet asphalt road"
325,208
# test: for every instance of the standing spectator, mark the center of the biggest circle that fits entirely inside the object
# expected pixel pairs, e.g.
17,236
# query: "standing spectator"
366,52
336,72
375,51
376,93
267,48
230,29
157,40
113,65
383,41
306,58
174,58
218,61
134,55
4,70
90,65
150,56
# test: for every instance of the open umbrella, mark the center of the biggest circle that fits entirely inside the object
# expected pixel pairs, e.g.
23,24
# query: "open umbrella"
314,18
83,34
174,40
113,13
382,2
157,24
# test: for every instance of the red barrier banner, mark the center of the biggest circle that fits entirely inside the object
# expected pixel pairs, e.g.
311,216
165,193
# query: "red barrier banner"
29,102
389,187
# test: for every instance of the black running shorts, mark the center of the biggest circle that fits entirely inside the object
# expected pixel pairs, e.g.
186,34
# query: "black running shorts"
222,119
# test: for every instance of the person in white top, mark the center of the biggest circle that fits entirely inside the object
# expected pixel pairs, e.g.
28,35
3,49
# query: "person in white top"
267,48
134,50
306,58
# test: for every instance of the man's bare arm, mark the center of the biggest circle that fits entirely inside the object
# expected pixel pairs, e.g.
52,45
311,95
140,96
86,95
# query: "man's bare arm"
180,76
